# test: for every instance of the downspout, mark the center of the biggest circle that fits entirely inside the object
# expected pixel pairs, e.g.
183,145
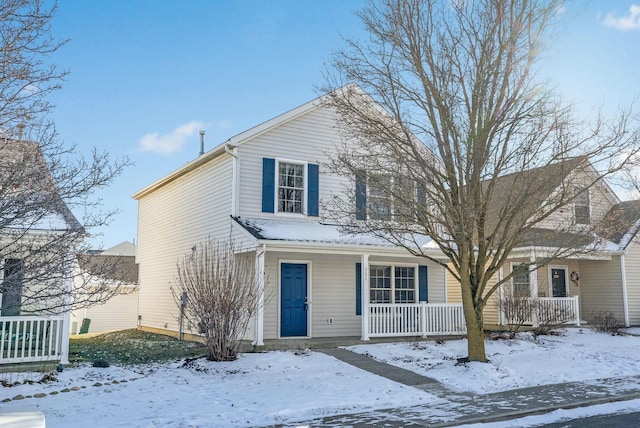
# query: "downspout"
533,279
234,177
625,300
258,339
66,323
364,277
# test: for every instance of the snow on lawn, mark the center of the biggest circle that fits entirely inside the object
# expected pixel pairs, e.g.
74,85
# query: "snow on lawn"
258,389
580,354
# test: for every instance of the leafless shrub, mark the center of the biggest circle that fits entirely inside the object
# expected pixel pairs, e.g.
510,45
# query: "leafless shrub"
607,322
551,317
517,311
221,295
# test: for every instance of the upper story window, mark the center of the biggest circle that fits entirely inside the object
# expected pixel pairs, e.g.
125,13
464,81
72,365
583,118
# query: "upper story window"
380,200
290,187
383,197
581,205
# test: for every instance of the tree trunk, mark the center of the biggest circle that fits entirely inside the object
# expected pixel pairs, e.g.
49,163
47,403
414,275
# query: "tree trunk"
475,337
475,325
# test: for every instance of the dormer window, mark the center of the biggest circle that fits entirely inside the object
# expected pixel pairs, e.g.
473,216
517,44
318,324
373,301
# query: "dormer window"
581,205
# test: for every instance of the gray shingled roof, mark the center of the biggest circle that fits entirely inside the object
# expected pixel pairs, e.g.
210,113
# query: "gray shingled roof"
117,268
621,223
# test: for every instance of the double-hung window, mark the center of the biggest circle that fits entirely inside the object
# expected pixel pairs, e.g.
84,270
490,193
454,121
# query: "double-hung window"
290,187
385,197
520,280
380,200
581,205
392,284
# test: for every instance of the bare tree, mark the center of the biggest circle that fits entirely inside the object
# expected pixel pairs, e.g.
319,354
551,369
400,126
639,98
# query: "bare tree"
41,179
221,297
450,135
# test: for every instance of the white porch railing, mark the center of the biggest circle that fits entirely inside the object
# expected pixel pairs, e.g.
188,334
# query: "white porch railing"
416,319
547,310
558,310
31,338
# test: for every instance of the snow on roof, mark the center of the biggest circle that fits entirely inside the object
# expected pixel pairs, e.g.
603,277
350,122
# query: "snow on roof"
316,232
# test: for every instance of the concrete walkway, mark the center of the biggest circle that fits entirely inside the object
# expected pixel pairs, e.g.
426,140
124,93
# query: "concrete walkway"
458,408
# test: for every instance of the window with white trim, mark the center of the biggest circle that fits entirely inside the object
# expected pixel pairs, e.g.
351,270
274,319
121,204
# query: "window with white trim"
392,284
581,205
520,280
391,198
290,187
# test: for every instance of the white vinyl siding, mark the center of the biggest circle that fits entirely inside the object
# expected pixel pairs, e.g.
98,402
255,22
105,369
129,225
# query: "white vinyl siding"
170,221
600,202
601,288
632,268
305,138
119,313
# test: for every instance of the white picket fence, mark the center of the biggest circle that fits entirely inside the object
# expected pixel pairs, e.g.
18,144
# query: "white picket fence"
32,339
416,319
551,310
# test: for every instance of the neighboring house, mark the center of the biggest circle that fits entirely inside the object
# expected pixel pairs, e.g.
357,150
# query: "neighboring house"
38,233
605,277
264,188
116,266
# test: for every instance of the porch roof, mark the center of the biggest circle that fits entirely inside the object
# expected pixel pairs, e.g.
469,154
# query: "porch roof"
321,233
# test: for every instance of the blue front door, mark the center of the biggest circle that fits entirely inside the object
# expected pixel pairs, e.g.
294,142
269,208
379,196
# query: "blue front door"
293,298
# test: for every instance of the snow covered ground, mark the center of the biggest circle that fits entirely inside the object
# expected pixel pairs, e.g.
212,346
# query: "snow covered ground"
284,387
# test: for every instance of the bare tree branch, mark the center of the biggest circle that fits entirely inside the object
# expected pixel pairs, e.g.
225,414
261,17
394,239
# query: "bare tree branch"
450,101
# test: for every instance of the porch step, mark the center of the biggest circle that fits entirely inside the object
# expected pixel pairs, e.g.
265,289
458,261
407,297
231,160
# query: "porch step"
385,370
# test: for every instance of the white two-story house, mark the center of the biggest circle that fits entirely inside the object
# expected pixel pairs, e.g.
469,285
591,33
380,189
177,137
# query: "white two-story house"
264,189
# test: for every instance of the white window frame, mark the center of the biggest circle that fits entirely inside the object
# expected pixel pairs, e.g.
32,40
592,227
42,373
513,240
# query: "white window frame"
513,283
305,188
392,290
391,200
584,192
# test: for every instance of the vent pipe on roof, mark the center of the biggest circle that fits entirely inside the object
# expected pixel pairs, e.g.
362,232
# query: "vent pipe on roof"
201,143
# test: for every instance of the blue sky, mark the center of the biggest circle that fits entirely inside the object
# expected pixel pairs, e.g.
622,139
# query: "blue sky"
147,75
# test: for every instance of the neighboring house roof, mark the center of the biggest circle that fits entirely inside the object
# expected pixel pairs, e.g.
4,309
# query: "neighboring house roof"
125,248
117,263
538,237
621,224
117,268
538,184
304,231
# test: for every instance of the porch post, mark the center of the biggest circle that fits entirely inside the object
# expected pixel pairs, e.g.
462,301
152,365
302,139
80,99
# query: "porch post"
501,320
258,336
533,279
66,321
364,286
625,301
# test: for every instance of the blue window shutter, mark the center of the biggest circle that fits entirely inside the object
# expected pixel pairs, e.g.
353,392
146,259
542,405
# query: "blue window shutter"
312,185
268,184
358,288
423,284
361,196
